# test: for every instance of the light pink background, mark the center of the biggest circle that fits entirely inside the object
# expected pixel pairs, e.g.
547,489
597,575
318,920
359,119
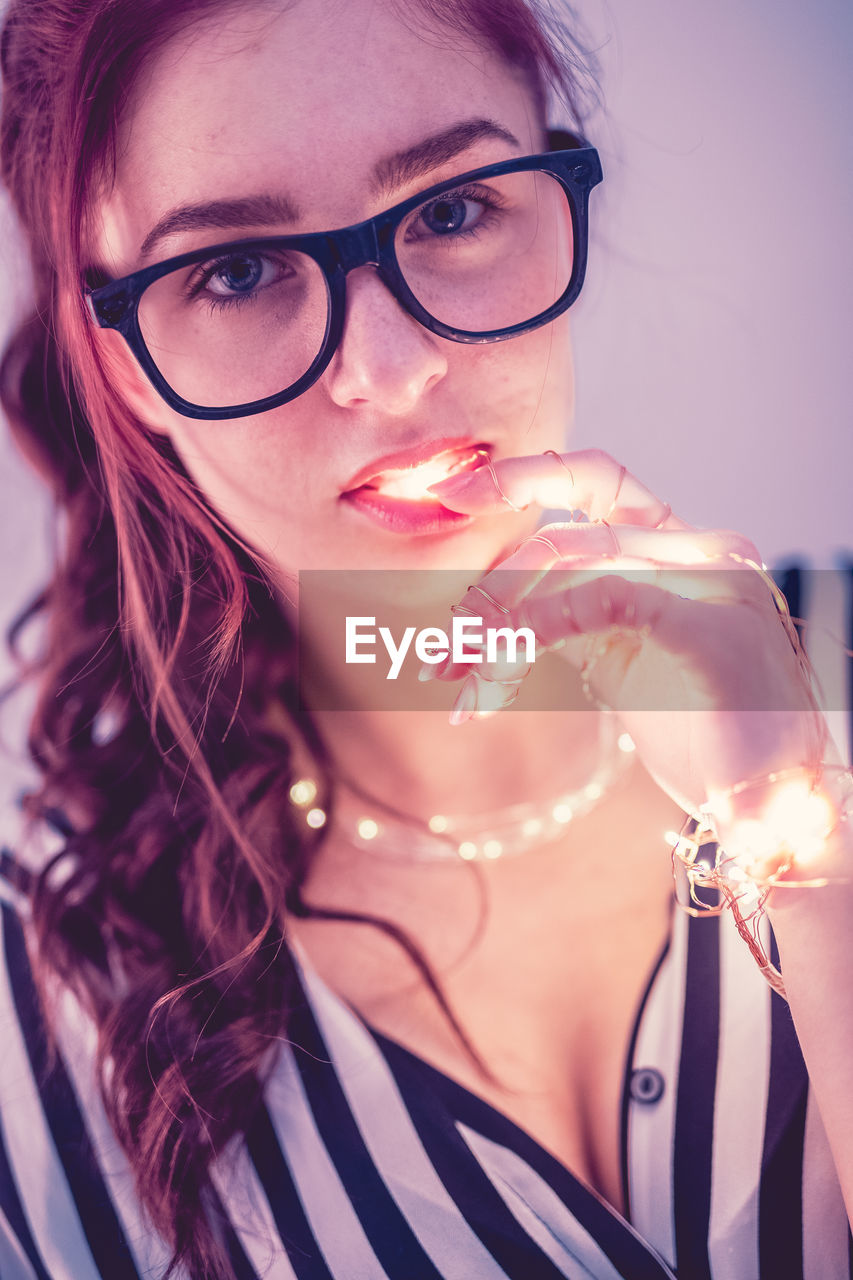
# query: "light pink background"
713,340
714,343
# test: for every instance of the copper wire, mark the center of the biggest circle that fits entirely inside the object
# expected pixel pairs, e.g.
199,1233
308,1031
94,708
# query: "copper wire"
700,875
496,482
552,453
546,542
614,539
808,672
491,599
623,471
714,872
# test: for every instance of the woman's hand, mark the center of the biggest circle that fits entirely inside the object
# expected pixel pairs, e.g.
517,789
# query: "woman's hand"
677,629
681,632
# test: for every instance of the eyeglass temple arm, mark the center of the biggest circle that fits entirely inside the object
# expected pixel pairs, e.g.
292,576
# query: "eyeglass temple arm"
564,140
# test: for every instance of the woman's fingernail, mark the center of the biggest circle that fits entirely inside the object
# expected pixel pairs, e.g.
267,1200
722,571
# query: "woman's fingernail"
466,702
453,484
432,670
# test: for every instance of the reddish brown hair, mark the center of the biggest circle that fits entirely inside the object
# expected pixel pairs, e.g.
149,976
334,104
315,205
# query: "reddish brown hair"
165,649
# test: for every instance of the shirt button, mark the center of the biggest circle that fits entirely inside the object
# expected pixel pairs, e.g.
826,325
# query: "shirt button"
647,1085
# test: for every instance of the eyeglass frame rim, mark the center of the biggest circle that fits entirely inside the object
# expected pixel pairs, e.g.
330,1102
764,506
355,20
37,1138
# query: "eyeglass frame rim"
577,167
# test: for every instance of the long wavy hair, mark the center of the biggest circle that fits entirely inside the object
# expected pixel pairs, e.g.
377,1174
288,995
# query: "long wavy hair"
164,648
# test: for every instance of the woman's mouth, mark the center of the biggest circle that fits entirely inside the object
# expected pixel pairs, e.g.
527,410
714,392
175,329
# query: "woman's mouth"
394,491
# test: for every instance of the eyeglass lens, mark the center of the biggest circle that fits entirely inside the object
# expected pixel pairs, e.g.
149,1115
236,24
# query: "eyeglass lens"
480,257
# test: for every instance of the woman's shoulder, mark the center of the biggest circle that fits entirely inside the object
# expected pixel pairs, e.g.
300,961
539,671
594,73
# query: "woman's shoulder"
67,1204
68,1209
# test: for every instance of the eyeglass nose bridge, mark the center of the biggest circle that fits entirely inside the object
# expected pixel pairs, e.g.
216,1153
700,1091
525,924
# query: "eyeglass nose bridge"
357,247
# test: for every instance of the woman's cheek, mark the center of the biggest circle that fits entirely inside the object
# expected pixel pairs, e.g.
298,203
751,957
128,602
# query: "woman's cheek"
532,385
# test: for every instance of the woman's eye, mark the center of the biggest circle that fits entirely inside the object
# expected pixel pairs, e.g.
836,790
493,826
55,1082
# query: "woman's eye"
239,277
456,213
241,274
451,214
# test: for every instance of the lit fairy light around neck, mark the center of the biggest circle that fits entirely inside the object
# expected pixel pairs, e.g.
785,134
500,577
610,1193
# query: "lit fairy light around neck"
303,791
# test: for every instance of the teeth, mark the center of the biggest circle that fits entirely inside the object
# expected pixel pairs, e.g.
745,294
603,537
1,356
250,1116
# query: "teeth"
413,482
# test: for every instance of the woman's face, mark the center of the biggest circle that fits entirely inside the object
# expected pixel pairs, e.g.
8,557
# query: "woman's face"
307,103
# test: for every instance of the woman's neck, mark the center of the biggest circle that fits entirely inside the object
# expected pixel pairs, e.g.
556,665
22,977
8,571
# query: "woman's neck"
419,764
392,739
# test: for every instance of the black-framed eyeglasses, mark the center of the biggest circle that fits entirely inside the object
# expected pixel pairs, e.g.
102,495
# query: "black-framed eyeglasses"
235,329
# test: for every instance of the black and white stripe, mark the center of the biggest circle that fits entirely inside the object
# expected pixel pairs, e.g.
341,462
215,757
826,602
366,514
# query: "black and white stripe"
367,1163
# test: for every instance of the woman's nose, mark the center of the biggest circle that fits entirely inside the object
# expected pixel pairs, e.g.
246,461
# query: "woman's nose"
385,358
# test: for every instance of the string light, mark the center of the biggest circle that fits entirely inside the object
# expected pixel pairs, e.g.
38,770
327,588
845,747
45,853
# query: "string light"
303,791
504,833
796,821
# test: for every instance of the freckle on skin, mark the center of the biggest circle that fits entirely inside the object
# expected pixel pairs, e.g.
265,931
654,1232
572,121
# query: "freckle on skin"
311,117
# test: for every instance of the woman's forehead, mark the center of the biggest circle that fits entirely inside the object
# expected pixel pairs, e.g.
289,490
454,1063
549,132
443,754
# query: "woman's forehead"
306,102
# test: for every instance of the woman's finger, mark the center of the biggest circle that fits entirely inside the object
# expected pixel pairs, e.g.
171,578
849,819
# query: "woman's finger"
696,548
590,480
596,603
556,551
641,646
694,564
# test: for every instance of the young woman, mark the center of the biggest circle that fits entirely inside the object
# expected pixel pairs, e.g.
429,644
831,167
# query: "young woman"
312,986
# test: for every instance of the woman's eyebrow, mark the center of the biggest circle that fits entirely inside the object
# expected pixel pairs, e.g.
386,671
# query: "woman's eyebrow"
226,215
390,173
402,166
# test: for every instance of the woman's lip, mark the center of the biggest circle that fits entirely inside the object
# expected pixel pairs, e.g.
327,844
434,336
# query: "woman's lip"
402,515
412,457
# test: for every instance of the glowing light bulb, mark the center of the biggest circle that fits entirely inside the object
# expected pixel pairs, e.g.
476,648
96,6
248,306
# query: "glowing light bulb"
367,828
413,482
751,839
467,850
303,791
593,791
532,827
793,829
562,813
801,819
316,818
626,743
438,824
492,849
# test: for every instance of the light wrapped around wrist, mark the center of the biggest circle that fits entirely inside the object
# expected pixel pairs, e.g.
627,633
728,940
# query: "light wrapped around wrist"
766,833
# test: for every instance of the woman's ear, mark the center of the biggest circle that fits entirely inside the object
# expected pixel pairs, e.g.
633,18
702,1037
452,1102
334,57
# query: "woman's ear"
129,382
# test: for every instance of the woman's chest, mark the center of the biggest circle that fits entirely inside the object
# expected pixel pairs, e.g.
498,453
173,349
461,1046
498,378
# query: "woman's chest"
543,1016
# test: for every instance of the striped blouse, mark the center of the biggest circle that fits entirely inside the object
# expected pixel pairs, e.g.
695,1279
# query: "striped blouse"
367,1163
